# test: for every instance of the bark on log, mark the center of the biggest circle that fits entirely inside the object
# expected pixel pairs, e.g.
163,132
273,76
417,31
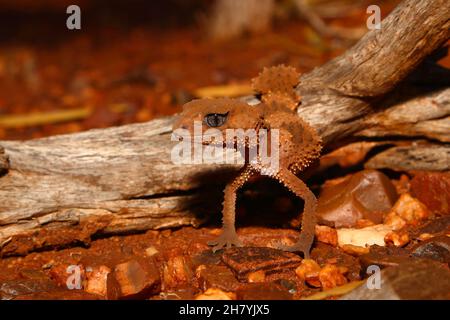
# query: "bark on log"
423,116
67,188
409,158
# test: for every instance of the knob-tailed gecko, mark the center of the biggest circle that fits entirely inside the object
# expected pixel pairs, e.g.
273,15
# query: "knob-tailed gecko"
299,144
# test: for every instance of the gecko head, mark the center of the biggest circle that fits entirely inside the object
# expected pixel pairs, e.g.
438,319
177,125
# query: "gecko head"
220,114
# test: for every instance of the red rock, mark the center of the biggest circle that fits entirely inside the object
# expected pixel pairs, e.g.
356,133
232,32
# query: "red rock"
331,276
363,237
265,237
364,223
33,274
176,271
409,209
354,250
97,280
206,257
367,195
113,289
403,184
292,286
256,276
213,276
324,254
437,248
397,238
308,271
137,279
385,257
287,279
421,279
327,235
433,189
250,259
435,227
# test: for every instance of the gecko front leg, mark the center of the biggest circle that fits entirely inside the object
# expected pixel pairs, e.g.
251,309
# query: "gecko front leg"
297,186
229,236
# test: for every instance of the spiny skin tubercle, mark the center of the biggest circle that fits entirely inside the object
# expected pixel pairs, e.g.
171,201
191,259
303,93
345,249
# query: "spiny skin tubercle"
299,144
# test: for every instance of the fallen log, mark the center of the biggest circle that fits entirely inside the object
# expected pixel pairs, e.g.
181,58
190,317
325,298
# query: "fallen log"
65,189
415,157
423,116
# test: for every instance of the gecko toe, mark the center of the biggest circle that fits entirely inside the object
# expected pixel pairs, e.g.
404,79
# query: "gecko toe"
225,240
298,247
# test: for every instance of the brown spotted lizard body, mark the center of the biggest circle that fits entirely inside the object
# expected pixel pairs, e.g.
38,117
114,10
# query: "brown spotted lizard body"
299,144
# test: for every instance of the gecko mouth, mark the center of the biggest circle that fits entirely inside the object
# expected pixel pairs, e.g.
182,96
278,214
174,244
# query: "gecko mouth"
210,140
235,144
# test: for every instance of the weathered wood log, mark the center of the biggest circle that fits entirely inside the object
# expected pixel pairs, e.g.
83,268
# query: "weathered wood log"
397,155
423,116
64,189
415,157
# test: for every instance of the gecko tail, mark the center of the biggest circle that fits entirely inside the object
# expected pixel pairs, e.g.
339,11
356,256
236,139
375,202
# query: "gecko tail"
276,85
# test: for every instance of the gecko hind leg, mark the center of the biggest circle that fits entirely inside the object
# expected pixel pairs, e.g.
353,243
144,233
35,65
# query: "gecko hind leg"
229,237
297,186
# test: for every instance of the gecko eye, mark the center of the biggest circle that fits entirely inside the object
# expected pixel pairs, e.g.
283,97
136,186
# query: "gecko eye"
215,119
